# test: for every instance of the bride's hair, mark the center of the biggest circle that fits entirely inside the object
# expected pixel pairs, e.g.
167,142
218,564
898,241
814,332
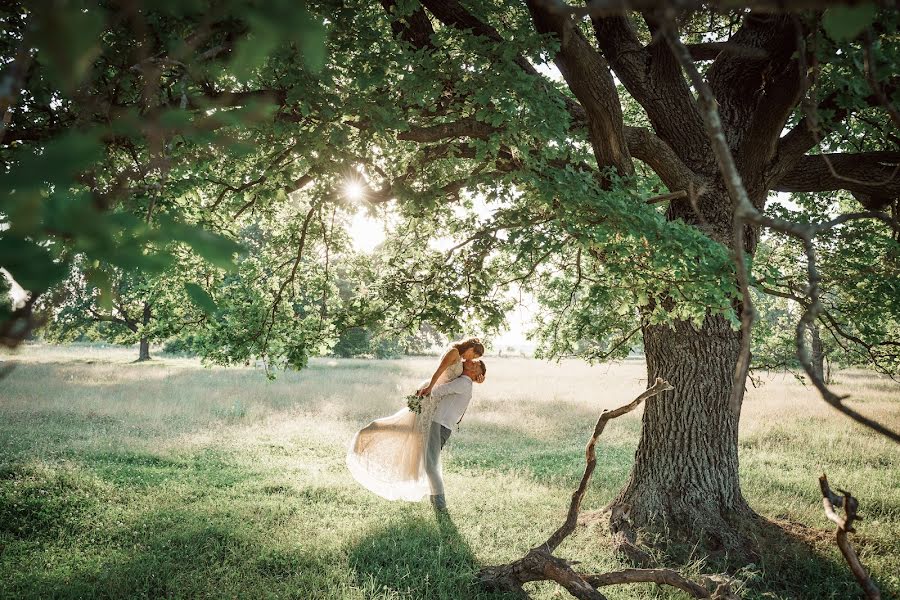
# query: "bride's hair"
463,345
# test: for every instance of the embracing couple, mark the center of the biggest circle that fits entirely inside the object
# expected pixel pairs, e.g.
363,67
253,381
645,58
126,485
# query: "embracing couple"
399,457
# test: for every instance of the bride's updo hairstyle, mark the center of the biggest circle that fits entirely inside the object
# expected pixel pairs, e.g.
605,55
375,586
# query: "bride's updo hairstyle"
463,345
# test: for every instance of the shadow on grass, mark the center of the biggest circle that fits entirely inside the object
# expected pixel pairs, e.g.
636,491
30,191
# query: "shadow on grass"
782,559
184,554
71,532
419,558
797,561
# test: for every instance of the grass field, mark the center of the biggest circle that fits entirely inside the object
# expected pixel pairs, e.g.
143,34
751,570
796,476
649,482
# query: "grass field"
167,479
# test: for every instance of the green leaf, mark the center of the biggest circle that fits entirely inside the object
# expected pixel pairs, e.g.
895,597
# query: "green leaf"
312,45
67,38
252,52
844,23
215,248
30,264
100,280
200,298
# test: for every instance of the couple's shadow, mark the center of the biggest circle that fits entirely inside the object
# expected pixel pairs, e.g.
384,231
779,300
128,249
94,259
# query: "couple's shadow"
419,556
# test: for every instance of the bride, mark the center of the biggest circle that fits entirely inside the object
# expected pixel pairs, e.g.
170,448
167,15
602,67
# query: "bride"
388,456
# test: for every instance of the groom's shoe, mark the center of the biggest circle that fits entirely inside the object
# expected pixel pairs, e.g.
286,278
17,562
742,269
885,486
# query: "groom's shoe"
439,502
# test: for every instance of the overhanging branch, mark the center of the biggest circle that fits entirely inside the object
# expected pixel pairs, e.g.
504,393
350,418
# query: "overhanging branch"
600,8
872,177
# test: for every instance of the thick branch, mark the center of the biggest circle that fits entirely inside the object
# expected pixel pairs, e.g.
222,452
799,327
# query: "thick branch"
454,14
465,127
415,28
872,177
756,96
602,8
804,136
647,147
659,576
650,74
589,78
711,50
100,317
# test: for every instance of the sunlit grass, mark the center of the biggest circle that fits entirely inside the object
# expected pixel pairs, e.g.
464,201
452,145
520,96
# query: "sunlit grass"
170,479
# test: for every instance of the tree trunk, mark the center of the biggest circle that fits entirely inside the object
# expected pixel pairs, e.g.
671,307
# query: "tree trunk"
818,351
144,352
685,475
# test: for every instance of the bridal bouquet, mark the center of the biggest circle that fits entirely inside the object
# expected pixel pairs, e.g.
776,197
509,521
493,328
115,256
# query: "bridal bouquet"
414,403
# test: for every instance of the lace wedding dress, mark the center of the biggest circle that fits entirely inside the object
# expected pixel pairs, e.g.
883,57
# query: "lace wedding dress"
388,456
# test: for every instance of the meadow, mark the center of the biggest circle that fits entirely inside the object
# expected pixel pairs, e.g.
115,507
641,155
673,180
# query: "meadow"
168,479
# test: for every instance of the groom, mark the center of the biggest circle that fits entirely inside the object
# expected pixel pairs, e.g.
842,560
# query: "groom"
453,398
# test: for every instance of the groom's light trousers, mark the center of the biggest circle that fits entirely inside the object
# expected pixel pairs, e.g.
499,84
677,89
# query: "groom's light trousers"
438,436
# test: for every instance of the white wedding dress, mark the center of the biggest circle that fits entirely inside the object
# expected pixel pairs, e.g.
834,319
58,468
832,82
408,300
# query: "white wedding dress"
388,456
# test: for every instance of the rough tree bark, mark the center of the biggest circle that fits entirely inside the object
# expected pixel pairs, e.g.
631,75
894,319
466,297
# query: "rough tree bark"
685,474
685,480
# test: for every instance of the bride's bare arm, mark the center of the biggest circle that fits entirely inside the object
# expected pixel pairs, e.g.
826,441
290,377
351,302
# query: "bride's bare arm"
449,358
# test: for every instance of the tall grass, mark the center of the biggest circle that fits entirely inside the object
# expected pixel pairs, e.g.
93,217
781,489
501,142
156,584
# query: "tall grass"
170,479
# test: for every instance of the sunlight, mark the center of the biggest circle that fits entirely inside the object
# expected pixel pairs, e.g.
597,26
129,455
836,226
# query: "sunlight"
353,190
366,233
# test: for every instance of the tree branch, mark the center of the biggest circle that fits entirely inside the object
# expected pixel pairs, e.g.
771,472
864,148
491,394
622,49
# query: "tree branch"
649,148
415,28
658,576
872,177
588,76
602,8
650,74
539,563
869,67
711,50
571,521
465,127
844,528
755,97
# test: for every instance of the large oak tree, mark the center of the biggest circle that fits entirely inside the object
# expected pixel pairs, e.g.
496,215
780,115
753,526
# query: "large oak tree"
248,121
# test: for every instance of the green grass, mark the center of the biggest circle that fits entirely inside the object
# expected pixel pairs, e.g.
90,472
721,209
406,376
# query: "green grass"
167,479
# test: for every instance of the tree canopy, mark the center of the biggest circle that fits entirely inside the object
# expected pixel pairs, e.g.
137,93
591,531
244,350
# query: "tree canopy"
207,148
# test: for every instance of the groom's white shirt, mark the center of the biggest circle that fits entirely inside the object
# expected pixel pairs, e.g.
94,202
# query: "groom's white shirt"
453,398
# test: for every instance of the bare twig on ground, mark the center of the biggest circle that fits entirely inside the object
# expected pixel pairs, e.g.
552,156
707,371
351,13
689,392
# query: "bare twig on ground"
830,501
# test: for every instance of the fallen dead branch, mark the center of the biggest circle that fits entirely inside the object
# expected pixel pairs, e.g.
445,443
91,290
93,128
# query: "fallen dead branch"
844,527
540,564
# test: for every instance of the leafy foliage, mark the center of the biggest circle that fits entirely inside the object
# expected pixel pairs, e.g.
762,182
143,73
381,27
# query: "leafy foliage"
192,157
